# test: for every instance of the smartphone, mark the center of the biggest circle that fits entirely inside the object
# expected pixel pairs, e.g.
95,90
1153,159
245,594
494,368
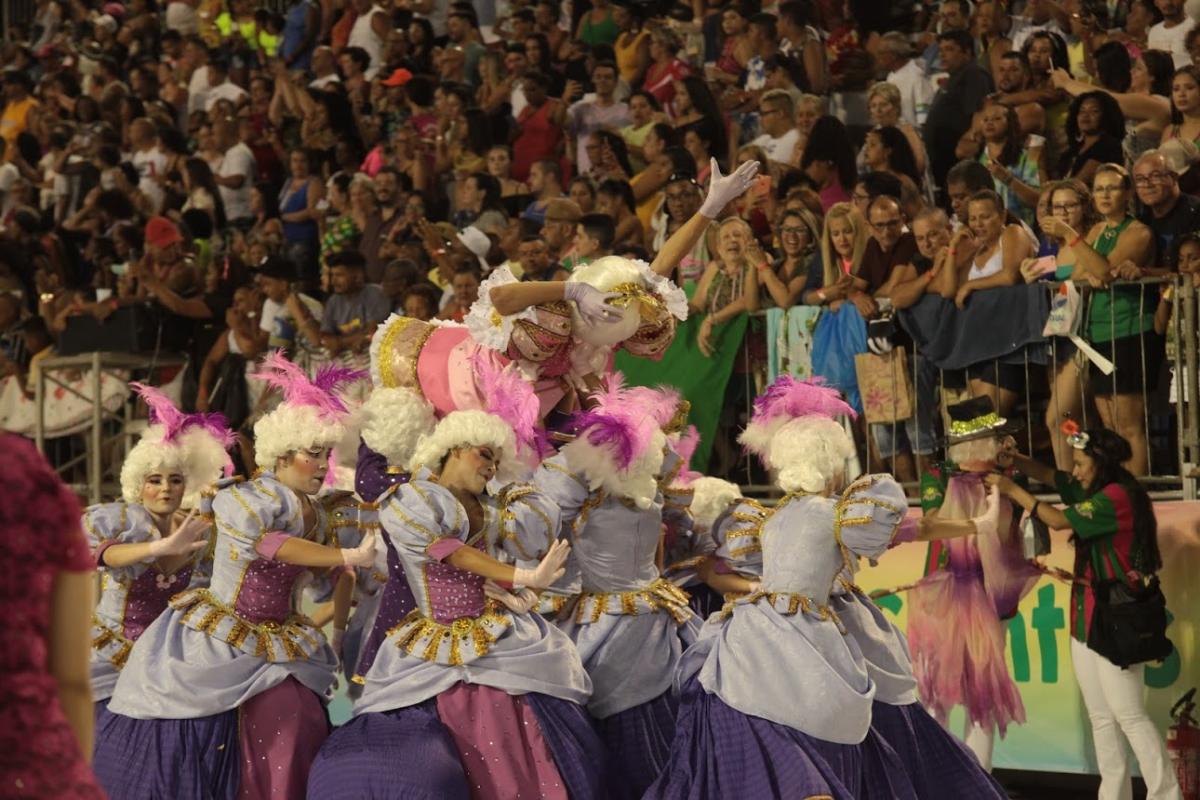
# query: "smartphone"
1046,265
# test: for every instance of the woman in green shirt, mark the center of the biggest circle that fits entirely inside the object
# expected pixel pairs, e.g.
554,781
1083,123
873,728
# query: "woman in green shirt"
1120,319
1116,538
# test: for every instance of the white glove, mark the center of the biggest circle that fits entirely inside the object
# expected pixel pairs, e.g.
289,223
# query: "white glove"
185,539
755,587
724,189
549,569
591,302
519,603
363,555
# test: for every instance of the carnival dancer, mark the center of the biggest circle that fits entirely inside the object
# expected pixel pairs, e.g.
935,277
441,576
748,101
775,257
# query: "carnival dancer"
471,694
145,548
393,421
936,764
777,701
972,585
561,334
222,696
628,623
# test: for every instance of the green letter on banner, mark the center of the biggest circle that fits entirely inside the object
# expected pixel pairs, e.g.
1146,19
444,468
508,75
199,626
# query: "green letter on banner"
1046,620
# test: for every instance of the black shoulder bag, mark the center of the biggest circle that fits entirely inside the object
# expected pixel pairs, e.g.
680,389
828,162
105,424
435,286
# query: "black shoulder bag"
1129,623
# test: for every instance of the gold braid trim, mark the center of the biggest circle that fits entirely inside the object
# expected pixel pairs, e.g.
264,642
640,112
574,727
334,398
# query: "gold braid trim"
662,595
424,638
793,604
109,644
294,639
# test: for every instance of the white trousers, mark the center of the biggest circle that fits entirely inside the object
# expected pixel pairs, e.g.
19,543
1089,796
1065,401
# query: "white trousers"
1115,704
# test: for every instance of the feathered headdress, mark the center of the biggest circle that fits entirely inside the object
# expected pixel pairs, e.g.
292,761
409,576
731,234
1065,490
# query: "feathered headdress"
785,400
622,420
312,413
685,447
193,444
319,393
510,397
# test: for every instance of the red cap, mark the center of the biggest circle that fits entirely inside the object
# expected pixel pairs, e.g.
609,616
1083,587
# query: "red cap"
161,232
398,78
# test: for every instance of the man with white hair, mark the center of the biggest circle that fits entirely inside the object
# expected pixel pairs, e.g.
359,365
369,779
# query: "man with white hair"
907,75
1165,209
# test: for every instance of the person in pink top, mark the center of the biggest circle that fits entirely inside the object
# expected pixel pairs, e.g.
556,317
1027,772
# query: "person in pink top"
46,715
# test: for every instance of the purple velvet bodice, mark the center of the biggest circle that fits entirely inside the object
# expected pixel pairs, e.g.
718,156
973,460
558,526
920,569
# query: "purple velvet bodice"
453,593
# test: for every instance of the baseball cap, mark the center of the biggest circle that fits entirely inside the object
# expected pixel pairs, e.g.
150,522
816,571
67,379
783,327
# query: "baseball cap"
161,232
398,78
562,209
275,267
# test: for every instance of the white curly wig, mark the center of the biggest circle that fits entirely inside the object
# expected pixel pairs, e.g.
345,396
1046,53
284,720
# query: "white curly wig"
294,427
638,482
470,428
394,420
710,497
809,452
195,454
610,272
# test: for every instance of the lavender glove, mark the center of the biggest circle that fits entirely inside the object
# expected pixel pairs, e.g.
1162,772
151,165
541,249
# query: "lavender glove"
592,303
724,189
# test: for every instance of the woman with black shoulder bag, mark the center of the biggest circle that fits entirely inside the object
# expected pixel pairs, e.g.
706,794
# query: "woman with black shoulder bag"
1118,612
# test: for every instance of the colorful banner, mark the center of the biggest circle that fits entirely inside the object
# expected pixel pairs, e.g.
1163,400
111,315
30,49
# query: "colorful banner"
1057,735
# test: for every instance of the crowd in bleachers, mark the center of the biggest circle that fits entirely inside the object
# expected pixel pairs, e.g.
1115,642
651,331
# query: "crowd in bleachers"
240,178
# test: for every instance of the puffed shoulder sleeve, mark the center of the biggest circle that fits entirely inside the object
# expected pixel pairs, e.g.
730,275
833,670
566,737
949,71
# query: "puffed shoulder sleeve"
255,514
423,519
529,522
109,524
868,515
567,489
737,534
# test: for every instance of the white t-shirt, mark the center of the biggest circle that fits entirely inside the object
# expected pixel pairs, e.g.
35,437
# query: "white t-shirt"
238,160
9,175
151,165
364,36
321,83
198,89
916,92
277,321
781,148
226,91
1023,27
1171,39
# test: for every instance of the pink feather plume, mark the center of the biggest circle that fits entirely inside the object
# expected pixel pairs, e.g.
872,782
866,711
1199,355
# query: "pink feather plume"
621,419
511,398
175,423
789,397
320,392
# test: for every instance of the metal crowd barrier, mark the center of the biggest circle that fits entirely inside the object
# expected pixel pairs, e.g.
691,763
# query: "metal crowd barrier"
1169,484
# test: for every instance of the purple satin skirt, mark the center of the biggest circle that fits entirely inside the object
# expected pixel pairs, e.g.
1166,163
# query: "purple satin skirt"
409,754
639,740
140,759
721,752
938,764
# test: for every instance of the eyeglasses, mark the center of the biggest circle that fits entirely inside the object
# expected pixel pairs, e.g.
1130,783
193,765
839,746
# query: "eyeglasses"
1066,208
887,224
1153,177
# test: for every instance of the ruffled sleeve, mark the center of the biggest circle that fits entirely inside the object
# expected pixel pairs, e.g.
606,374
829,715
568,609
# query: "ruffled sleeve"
868,515
488,326
423,520
111,524
567,489
529,522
